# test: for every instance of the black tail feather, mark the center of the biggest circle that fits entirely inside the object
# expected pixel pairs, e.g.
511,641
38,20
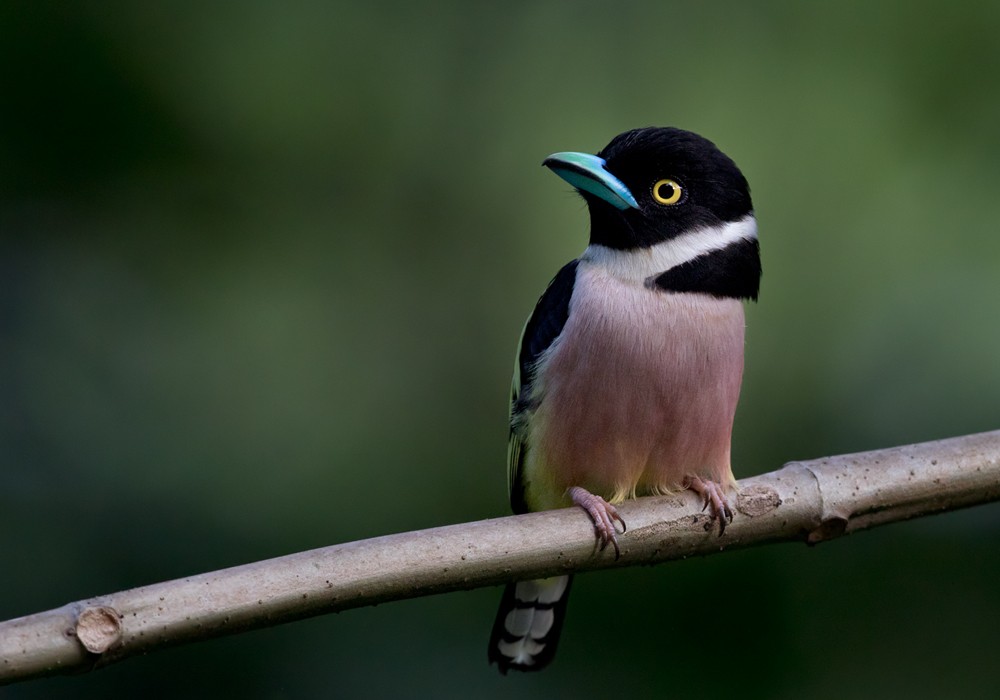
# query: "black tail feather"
528,624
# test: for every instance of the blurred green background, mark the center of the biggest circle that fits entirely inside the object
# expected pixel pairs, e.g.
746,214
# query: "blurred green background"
263,267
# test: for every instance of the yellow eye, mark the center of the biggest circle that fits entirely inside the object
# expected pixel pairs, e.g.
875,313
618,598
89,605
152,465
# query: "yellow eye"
667,191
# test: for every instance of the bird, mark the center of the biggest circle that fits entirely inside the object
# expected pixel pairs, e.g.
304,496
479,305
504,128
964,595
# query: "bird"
628,371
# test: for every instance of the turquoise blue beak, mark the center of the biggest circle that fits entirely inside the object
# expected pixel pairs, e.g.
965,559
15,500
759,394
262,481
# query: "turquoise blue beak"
588,173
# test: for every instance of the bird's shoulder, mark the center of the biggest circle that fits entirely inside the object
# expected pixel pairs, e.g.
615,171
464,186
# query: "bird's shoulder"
547,321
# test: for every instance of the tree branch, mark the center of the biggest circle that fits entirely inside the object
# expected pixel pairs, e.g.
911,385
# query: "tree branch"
811,501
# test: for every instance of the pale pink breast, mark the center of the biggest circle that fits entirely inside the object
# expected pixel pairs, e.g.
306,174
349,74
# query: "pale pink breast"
638,393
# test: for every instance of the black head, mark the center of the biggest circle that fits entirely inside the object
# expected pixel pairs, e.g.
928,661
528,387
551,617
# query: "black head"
677,180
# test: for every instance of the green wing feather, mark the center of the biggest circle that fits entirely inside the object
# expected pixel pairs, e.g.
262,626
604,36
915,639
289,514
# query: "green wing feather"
540,331
515,440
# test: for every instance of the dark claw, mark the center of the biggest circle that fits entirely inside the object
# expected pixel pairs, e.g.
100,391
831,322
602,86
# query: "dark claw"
724,516
714,500
603,515
618,552
604,539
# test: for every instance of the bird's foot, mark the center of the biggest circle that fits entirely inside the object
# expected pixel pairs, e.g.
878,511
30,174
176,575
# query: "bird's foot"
602,513
713,495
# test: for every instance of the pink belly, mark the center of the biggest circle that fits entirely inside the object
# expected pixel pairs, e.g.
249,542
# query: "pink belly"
638,393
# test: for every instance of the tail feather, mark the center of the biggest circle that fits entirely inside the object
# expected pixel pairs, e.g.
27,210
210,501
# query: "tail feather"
529,620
